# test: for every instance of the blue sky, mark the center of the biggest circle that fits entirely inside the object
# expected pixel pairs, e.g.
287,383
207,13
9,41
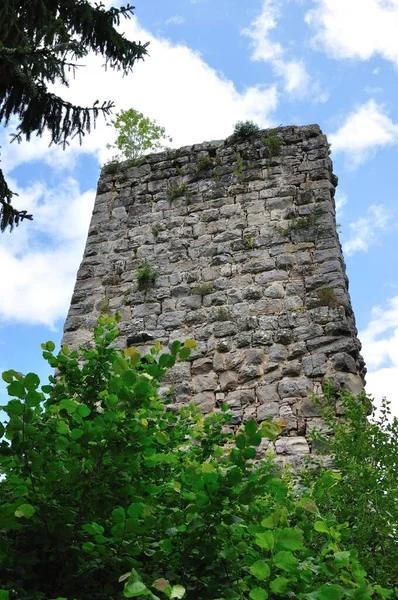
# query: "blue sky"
212,63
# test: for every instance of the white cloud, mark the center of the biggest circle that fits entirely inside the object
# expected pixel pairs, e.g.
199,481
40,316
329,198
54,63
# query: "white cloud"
383,384
380,350
175,20
364,131
365,231
293,72
39,259
358,29
341,200
259,30
380,337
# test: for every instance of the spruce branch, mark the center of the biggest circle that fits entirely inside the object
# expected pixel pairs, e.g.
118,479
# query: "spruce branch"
39,44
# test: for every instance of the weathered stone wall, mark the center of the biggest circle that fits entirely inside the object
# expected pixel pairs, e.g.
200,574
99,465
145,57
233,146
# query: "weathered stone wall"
249,265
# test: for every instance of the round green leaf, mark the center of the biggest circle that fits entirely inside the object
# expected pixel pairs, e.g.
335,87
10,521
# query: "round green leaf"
61,443
14,408
309,505
250,453
31,381
279,585
251,427
240,441
291,539
15,388
8,376
134,589
265,540
330,592
69,405
62,427
25,510
285,560
83,410
185,353
76,434
321,527
258,594
162,438
260,570
135,510
177,591
88,547
118,515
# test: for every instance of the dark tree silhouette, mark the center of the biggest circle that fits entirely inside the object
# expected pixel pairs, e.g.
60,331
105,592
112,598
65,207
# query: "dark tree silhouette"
40,42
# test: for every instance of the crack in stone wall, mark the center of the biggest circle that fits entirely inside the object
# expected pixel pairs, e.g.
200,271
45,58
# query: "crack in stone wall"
250,266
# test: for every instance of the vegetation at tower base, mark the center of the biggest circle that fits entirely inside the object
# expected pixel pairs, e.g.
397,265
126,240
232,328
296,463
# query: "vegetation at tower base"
107,494
40,42
365,458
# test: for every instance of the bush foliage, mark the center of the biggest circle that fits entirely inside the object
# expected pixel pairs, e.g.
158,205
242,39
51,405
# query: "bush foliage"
365,458
245,129
108,494
136,135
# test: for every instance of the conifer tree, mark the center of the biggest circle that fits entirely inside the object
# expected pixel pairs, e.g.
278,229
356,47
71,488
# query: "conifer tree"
40,44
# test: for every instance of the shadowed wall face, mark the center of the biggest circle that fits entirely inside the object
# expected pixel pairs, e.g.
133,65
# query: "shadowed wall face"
233,244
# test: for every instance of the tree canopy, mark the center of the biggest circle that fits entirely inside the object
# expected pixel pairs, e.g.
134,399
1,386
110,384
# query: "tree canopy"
108,491
136,135
40,44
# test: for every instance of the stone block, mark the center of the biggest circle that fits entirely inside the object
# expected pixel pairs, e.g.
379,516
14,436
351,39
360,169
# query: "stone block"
228,380
292,445
315,365
171,319
202,383
206,401
277,353
344,362
240,398
267,394
202,366
293,388
307,408
225,328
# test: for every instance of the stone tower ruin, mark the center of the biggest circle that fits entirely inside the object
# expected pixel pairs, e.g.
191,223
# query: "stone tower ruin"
239,239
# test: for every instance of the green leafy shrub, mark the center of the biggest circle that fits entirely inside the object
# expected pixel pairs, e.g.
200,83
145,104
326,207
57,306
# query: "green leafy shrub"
364,490
245,129
107,494
273,143
301,223
104,304
204,164
249,241
110,168
238,171
203,289
216,176
136,134
223,313
176,191
155,231
146,277
327,297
